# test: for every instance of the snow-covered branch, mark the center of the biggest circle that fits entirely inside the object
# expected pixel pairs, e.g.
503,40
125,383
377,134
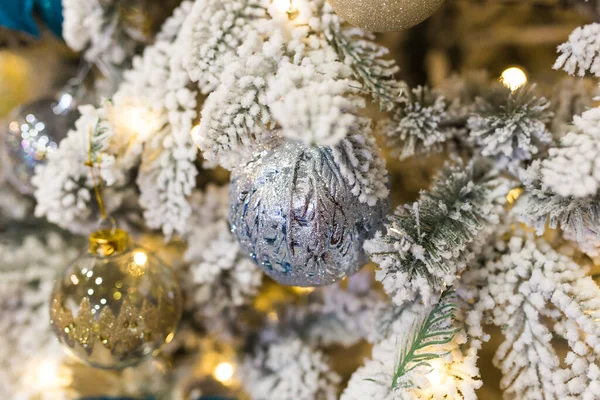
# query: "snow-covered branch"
425,244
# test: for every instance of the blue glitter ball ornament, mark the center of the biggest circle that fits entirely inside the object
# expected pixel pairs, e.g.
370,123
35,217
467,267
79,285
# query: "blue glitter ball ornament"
31,132
294,215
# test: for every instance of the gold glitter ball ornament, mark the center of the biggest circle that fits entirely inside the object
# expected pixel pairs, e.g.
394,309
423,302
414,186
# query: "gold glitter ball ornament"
385,15
116,304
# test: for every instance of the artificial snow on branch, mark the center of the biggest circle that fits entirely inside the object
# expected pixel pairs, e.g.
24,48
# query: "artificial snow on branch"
159,90
425,244
429,356
580,53
572,169
235,116
420,125
537,295
540,207
289,370
510,125
220,277
316,102
368,61
362,165
64,185
213,32
167,172
99,29
341,314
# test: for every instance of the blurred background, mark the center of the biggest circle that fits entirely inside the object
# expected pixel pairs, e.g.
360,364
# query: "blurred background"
476,37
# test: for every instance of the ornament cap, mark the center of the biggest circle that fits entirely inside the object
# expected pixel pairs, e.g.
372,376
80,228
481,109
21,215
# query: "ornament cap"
108,241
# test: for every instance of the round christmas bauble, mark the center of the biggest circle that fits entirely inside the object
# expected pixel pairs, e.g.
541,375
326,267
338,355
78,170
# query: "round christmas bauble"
116,304
32,131
385,15
294,215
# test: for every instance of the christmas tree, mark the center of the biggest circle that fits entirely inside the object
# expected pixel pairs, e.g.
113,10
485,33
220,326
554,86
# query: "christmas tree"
263,199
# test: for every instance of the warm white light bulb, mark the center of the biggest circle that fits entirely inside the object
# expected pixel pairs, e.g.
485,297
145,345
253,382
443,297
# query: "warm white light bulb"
47,374
283,5
435,375
140,258
195,134
513,78
223,372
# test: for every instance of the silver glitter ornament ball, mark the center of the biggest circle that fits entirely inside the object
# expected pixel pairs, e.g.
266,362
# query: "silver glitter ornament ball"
31,132
293,214
385,15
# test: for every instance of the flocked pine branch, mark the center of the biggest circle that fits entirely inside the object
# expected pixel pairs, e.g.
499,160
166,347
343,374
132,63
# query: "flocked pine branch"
160,91
571,98
101,30
572,169
361,164
540,207
235,116
420,125
420,348
289,90
538,296
212,32
368,61
220,278
152,102
341,314
289,370
580,53
167,173
64,185
425,244
313,106
427,357
510,126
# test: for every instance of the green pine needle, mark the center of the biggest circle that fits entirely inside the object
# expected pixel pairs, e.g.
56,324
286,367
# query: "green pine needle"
366,58
435,330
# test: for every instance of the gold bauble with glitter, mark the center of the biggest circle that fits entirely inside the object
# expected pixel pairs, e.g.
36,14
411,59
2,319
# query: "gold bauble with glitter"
385,15
116,304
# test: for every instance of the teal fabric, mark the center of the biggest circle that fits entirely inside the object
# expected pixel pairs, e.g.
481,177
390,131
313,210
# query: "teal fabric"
18,15
51,13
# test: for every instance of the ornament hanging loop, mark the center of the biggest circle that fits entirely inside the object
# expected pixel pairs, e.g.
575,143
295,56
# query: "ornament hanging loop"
108,224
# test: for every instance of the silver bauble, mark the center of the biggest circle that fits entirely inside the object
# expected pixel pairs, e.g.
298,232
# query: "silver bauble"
31,132
385,15
293,214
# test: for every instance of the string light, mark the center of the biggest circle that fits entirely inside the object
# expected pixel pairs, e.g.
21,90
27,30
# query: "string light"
195,131
303,290
224,372
272,316
46,373
513,195
434,376
282,5
137,268
48,376
195,134
513,78
140,258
